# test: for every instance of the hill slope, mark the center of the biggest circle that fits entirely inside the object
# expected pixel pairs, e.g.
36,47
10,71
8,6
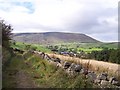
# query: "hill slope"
52,37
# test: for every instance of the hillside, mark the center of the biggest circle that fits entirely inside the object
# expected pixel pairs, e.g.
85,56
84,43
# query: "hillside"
53,37
28,70
31,70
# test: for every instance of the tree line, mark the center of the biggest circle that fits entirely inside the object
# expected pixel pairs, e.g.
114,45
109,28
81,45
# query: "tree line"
108,55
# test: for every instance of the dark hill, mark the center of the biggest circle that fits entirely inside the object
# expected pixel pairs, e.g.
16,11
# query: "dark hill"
53,37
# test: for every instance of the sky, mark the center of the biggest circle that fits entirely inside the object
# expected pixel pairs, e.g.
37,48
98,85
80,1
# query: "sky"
95,18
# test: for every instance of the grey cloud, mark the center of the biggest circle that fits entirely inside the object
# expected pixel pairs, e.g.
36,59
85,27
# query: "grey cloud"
106,37
89,23
83,22
35,26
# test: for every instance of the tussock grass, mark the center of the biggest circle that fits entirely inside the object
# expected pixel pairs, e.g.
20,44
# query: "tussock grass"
48,75
44,74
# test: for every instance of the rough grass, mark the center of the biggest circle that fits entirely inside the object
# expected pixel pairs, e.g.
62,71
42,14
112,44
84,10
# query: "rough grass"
10,71
44,74
47,75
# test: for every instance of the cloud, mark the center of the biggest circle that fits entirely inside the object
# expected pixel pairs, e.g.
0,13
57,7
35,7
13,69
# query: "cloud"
97,18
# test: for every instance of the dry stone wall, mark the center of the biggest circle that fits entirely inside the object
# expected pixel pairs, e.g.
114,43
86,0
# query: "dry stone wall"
102,79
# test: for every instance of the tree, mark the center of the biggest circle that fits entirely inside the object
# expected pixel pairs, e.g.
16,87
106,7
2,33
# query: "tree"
115,56
6,37
6,33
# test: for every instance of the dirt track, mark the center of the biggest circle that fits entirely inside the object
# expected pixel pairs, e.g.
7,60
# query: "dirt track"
24,81
94,65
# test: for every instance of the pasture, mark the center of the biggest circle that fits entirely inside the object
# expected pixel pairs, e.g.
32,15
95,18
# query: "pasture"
86,47
25,46
76,47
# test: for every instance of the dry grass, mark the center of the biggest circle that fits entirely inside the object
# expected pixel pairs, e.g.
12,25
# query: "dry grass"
97,66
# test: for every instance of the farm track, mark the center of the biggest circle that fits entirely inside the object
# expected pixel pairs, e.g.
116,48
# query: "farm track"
99,66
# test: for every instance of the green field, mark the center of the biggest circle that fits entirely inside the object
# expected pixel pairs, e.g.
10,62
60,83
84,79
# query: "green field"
89,45
23,46
89,50
86,47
